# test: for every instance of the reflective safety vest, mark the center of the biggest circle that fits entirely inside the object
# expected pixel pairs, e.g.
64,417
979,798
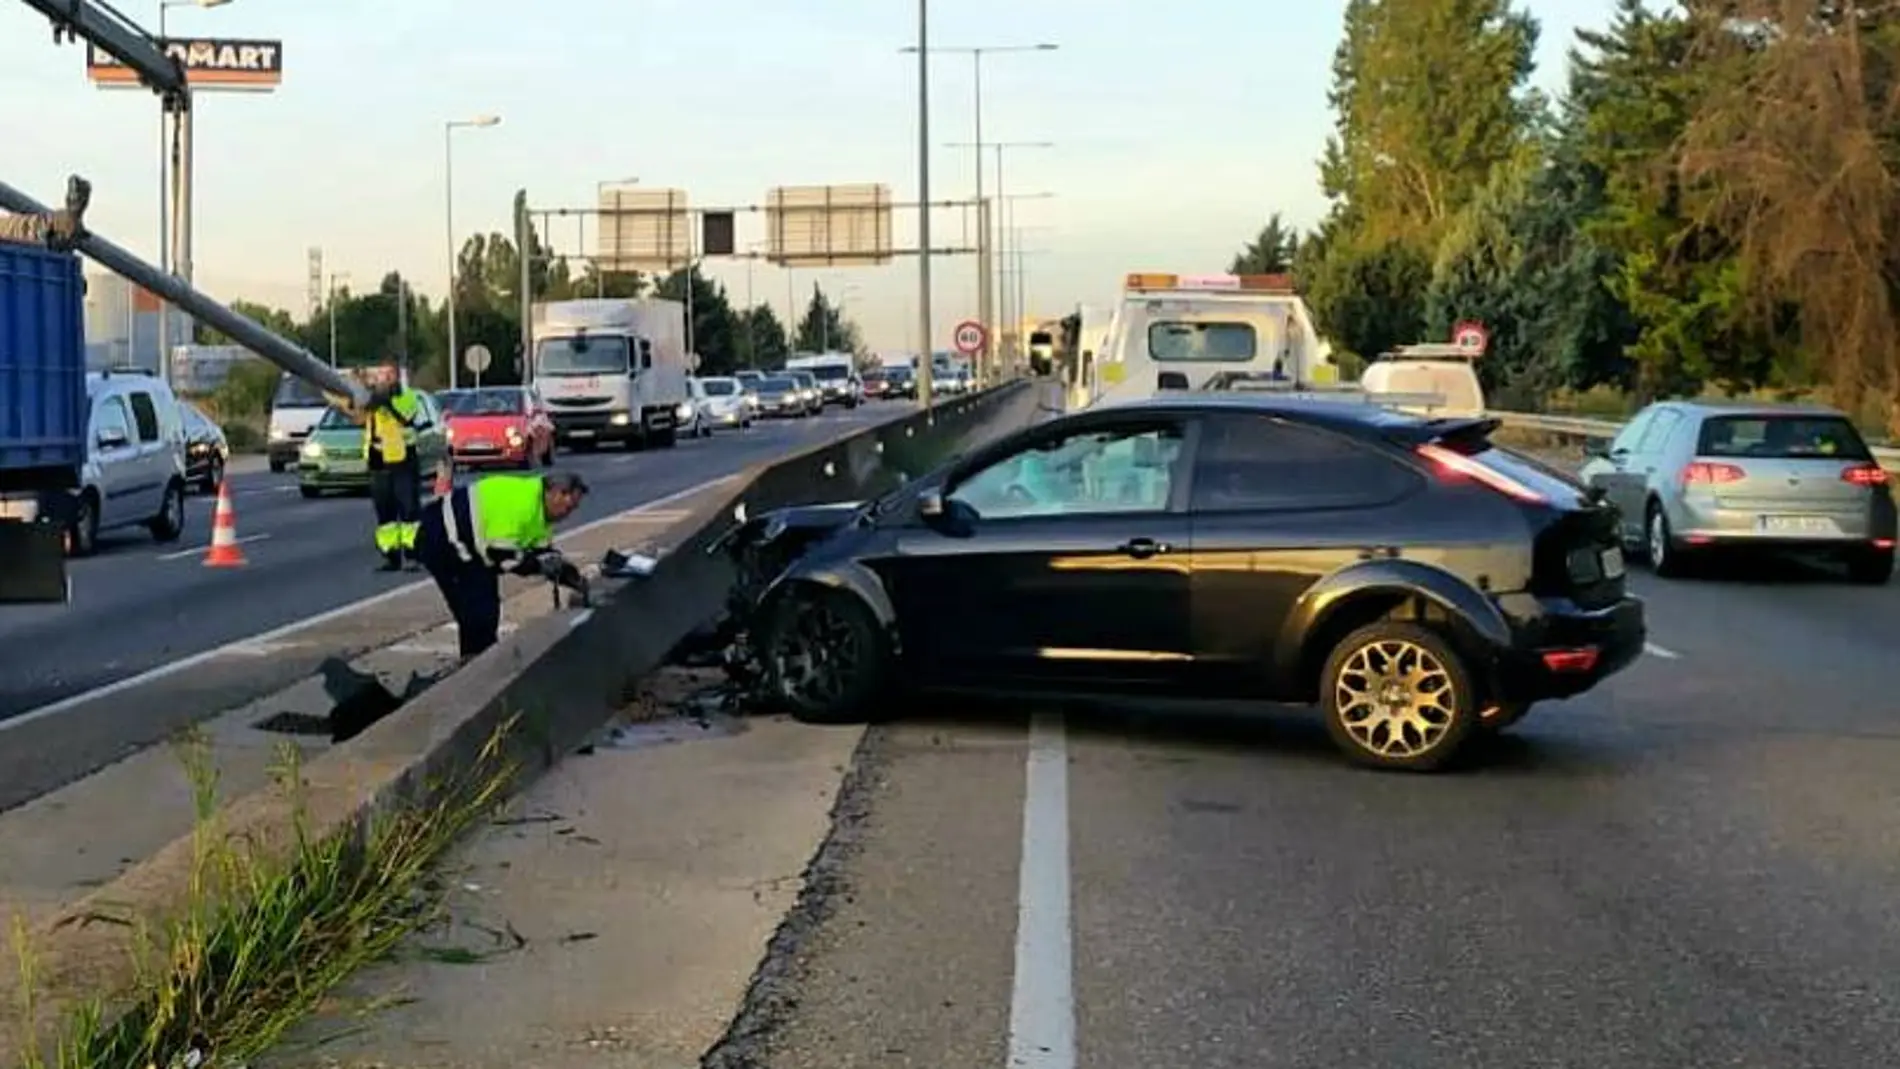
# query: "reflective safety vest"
499,520
390,431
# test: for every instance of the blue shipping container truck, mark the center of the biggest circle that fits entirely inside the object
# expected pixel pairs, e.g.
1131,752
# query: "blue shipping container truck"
43,414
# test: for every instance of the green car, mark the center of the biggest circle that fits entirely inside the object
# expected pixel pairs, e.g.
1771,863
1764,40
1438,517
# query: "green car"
332,457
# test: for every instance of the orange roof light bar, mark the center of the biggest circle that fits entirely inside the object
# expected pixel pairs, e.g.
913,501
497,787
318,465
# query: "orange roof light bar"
1152,281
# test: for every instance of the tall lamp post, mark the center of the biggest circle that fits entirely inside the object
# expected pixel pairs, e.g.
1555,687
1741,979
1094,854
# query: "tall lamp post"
448,174
174,193
1002,221
987,226
923,198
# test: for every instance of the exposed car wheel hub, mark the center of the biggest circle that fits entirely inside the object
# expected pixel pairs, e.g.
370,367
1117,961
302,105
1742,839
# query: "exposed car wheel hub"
817,654
1395,699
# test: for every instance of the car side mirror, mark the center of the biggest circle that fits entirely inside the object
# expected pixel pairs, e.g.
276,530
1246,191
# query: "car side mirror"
112,439
946,515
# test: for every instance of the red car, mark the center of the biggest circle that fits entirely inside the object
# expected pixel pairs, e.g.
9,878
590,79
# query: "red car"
498,426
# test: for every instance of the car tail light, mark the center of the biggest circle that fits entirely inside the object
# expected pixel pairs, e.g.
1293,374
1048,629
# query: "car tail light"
1453,463
1865,475
1568,661
1703,471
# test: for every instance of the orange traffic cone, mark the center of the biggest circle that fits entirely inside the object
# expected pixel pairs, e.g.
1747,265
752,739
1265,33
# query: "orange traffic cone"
224,544
444,480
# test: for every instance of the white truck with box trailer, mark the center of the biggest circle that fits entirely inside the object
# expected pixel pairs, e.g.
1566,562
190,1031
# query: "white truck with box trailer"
613,370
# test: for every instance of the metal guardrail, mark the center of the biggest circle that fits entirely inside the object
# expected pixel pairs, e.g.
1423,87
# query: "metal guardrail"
1581,427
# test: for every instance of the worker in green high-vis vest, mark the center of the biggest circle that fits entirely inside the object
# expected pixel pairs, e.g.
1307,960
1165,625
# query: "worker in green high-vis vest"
500,523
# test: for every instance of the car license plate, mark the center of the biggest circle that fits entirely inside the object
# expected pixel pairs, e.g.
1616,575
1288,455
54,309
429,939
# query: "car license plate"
479,444
1613,567
349,467
1797,525
582,433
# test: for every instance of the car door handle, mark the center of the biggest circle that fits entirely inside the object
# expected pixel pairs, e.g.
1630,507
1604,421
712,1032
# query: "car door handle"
1143,548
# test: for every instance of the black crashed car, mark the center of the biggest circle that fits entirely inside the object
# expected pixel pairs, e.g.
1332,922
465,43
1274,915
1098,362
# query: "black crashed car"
1415,581
206,450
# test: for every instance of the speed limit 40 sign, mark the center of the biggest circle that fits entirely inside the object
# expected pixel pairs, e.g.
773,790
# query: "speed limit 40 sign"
970,337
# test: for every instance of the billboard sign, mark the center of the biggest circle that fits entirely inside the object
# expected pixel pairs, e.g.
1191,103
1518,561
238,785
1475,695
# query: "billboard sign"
643,229
813,226
210,63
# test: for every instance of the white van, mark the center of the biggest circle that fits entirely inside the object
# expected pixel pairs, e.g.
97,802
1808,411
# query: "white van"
134,472
294,411
1433,379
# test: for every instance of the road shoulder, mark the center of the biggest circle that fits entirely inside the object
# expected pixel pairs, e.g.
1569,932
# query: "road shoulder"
613,915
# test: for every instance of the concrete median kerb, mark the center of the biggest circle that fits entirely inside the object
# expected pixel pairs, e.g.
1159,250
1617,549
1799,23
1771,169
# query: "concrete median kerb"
540,692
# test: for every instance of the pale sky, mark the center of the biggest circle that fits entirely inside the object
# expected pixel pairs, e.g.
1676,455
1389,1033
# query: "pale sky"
1177,130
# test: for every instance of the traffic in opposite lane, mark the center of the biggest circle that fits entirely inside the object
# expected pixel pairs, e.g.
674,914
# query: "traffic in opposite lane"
138,605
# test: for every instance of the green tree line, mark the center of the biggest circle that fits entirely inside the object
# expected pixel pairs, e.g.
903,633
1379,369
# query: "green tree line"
1712,203
394,323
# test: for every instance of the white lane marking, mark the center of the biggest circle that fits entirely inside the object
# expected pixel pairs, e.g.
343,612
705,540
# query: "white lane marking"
1042,997
1658,651
197,550
248,646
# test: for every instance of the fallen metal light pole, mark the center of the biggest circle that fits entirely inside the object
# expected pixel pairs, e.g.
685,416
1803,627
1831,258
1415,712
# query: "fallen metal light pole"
292,358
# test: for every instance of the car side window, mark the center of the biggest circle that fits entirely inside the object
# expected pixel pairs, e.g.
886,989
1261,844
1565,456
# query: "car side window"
1256,463
111,418
145,415
1626,439
1097,472
1658,431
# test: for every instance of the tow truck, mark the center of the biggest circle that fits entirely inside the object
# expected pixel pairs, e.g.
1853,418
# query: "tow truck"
1178,332
41,453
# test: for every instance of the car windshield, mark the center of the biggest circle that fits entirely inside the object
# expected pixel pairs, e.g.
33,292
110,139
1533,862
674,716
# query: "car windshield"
1221,343
778,384
829,372
898,374
335,419
582,356
803,378
494,402
721,387
1793,437
293,392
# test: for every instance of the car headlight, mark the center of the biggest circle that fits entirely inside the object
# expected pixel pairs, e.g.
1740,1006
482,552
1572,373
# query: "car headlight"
620,419
313,450
684,412
279,434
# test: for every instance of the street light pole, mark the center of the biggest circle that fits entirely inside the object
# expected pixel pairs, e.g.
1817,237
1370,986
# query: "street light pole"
174,191
448,201
923,199
988,225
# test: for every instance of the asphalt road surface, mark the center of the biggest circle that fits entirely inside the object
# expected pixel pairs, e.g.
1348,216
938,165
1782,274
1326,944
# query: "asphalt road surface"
139,605
1693,866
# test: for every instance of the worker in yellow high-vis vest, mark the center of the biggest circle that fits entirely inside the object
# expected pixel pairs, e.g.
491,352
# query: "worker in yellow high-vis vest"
395,417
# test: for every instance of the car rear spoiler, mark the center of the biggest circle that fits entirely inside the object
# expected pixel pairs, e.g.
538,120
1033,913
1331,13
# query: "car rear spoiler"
1454,431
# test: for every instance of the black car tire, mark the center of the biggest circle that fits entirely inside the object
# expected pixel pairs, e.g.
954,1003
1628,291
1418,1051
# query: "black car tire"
310,492
665,439
169,524
1871,567
824,656
278,467
82,538
1419,649
1659,544
214,476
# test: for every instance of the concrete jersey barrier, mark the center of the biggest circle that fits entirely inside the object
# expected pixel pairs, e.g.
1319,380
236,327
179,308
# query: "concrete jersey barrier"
558,676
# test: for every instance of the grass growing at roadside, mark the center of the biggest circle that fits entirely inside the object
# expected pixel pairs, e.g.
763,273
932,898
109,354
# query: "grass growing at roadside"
259,946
